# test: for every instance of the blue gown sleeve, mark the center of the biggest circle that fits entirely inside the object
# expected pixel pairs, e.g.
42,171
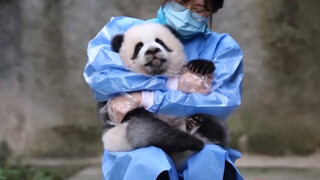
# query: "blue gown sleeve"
105,72
226,88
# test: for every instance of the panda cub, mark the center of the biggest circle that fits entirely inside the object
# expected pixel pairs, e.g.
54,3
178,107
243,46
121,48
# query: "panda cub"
153,49
150,49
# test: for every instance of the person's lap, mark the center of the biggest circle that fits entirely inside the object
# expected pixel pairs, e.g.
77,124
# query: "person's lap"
151,162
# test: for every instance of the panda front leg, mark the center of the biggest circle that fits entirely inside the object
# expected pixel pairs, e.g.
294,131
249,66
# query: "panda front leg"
208,128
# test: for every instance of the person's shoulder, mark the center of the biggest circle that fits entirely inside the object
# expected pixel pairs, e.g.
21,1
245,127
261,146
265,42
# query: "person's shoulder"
125,20
122,23
222,39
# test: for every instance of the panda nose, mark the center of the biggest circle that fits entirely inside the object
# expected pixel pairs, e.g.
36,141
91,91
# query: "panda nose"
152,51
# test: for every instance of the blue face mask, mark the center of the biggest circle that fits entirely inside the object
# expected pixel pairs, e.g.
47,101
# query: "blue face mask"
182,22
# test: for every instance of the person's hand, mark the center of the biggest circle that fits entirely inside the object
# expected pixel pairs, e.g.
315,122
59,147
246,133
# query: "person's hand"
190,82
197,77
120,105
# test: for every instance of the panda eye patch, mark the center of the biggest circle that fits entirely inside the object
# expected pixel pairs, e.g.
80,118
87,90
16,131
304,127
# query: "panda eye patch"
137,48
159,41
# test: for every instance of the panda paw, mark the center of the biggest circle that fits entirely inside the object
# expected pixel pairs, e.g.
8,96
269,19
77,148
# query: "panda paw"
193,123
201,66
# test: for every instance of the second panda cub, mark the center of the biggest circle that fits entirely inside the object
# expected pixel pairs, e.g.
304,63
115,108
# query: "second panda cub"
153,49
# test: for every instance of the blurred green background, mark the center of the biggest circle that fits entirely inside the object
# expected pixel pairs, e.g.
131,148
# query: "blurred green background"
47,110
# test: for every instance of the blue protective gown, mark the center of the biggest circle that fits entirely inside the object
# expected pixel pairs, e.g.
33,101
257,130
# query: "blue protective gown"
107,77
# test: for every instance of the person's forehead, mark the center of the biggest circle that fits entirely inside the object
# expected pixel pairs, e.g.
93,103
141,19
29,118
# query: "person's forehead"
197,2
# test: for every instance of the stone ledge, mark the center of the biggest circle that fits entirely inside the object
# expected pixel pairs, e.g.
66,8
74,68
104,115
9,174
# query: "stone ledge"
61,162
258,161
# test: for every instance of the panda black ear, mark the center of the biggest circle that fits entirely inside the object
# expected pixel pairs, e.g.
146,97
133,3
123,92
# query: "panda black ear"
116,42
174,32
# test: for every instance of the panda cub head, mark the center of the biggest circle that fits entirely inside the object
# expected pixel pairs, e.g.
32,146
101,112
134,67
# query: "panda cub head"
150,49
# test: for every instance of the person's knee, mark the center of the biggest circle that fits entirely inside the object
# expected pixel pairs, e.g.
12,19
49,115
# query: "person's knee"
229,172
164,175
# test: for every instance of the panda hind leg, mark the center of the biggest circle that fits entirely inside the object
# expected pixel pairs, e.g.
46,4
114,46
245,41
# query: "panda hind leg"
145,129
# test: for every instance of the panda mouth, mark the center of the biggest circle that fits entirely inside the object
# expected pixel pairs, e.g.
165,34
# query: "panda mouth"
155,62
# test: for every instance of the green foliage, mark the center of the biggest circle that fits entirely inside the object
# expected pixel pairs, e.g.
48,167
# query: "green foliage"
290,36
266,142
301,141
13,174
46,175
20,173
235,139
71,141
279,136
285,123
5,153
36,173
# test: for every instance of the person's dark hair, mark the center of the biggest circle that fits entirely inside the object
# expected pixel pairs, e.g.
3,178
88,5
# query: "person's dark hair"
209,5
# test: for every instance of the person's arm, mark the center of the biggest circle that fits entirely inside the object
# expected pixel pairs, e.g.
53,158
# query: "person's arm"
226,89
105,72
194,79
